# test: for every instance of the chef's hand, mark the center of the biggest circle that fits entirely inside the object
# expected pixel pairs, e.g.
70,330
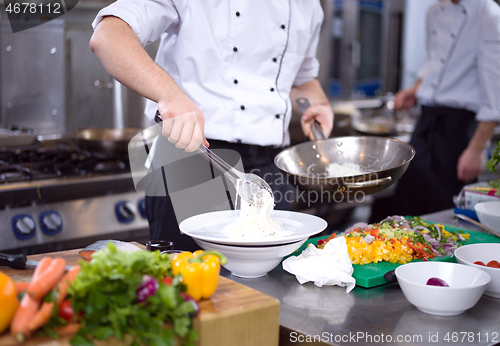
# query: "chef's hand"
471,161
470,164
323,114
183,123
406,98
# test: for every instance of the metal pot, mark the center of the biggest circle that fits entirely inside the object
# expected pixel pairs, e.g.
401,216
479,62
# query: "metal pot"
107,143
384,159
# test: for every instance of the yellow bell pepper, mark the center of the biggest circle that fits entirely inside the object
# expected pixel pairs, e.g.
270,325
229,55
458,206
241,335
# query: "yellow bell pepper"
199,270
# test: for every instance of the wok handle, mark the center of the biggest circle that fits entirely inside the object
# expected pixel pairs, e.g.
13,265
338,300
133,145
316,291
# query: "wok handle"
303,104
385,180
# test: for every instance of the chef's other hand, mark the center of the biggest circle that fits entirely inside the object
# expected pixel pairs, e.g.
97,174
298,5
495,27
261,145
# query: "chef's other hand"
183,124
405,99
470,164
323,114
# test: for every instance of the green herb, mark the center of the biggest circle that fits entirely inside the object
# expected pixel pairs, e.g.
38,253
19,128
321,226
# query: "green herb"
494,160
105,293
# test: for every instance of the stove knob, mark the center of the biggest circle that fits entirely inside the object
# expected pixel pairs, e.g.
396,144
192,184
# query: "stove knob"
50,222
141,205
125,211
24,226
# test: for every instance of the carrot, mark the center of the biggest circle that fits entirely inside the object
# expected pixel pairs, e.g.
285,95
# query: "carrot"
41,267
63,285
28,306
21,286
24,313
69,329
42,316
48,279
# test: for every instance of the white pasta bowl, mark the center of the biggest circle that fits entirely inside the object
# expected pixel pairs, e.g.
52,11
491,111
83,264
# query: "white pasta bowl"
251,261
468,254
251,256
466,286
488,214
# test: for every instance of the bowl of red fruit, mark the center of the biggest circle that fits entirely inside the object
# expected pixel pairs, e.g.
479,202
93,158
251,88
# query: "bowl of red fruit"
486,257
441,288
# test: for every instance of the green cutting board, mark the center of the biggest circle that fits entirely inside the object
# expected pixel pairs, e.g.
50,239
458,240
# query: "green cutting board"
371,275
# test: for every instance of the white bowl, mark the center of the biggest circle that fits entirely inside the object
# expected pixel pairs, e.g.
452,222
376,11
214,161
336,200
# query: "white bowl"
251,261
468,254
488,214
466,286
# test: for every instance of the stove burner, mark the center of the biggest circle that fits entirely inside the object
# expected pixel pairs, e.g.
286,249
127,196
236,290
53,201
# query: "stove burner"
35,163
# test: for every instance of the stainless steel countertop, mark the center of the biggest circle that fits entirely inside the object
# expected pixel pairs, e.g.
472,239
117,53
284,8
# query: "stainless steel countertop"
377,316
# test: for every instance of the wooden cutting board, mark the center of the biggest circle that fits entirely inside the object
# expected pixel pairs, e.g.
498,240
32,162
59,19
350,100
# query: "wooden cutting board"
371,275
234,315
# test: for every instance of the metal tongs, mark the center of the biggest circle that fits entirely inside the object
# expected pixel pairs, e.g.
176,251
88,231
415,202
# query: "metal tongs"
248,185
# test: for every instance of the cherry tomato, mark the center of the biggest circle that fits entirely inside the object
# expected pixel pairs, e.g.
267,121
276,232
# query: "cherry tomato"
167,280
493,264
66,310
479,263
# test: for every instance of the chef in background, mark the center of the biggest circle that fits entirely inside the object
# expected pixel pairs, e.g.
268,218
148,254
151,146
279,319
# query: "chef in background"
226,75
458,89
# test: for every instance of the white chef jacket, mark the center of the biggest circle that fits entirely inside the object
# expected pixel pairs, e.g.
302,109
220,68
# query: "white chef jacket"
462,69
236,59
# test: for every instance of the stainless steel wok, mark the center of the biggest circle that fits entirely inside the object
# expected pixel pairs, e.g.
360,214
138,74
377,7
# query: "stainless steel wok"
384,159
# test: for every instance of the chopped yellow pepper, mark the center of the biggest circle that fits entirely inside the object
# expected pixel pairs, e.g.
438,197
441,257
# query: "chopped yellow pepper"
199,270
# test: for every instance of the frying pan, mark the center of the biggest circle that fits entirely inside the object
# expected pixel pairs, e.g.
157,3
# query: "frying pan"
383,159
107,143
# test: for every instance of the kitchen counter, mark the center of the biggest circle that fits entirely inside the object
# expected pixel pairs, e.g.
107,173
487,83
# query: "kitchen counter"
234,315
381,315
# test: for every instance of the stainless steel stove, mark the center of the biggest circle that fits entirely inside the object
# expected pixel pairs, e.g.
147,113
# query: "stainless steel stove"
54,197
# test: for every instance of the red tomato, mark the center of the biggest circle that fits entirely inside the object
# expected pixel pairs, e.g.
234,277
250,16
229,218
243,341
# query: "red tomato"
479,263
66,310
375,232
493,264
167,280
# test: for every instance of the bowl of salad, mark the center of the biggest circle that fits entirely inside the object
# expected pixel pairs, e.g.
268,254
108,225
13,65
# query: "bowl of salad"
442,288
485,257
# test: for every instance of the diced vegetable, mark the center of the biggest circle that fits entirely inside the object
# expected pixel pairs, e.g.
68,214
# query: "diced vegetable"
398,239
437,282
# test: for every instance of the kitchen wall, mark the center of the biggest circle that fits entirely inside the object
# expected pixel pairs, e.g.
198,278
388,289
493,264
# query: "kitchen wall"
51,82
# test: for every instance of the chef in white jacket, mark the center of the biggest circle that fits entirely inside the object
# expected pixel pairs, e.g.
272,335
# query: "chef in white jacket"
458,89
226,74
